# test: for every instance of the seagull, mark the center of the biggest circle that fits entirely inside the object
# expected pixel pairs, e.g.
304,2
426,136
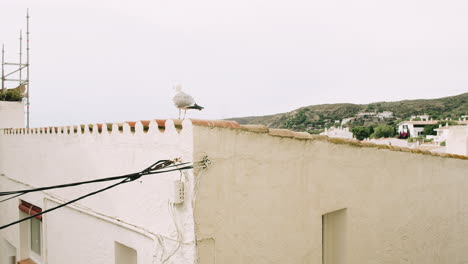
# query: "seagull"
184,101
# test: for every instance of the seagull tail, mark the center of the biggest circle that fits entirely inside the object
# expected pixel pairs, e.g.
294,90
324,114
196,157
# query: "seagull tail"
195,106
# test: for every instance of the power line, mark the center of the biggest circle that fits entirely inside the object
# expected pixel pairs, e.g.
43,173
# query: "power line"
4,200
153,169
64,204
158,167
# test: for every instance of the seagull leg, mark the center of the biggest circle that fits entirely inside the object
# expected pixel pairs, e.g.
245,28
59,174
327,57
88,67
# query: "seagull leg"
185,113
179,113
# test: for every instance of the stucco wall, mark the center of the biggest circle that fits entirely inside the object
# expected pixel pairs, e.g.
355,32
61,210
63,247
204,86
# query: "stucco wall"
263,198
11,114
136,214
457,140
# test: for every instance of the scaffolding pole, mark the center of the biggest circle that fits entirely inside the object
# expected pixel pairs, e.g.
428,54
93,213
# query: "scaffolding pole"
27,69
21,66
20,56
3,67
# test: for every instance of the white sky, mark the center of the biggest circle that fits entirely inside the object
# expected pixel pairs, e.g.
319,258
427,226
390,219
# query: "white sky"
102,61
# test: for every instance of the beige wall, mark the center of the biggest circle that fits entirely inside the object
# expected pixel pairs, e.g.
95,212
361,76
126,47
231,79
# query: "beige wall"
263,198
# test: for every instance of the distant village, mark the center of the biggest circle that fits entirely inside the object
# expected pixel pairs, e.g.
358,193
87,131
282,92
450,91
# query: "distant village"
419,132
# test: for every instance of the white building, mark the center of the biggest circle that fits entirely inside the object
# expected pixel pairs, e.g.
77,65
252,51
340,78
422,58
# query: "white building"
134,223
385,114
421,117
338,132
457,140
442,134
366,114
11,114
414,128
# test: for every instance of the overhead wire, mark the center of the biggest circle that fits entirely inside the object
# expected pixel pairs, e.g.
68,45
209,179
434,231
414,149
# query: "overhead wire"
156,168
4,200
147,171
62,205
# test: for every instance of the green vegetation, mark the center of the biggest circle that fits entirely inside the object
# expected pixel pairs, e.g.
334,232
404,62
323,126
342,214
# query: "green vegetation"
361,132
429,130
420,139
383,131
12,95
314,119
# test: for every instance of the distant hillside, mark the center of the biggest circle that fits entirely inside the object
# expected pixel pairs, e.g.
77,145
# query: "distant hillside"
315,118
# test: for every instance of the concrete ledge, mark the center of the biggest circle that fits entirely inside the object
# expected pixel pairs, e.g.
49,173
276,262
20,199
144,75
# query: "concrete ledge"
281,133
255,128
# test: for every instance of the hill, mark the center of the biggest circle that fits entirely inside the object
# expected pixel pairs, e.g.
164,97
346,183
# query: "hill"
315,118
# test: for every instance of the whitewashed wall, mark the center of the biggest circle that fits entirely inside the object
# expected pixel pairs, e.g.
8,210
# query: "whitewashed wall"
338,132
457,140
136,214
11,114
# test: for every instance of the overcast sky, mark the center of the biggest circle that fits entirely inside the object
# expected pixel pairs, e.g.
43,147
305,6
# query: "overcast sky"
115,60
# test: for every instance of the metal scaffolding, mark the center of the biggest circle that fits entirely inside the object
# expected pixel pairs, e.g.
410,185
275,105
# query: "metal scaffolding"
20,67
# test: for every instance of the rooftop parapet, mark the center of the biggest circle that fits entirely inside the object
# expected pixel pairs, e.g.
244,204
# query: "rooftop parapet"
164,126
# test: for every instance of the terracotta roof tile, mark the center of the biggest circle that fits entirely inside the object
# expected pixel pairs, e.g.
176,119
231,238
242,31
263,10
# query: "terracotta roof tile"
26,261
161,122
145,123
131,123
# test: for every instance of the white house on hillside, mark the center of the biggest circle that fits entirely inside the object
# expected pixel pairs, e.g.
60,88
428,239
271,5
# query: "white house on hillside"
442,134
421,117
414,128
338,132
385,114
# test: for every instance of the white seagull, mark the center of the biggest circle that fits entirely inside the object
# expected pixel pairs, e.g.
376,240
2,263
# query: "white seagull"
184,101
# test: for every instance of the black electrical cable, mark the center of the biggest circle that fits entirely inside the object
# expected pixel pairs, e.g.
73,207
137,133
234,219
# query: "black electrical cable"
153,169
150,170
19,193
62,205
4,200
